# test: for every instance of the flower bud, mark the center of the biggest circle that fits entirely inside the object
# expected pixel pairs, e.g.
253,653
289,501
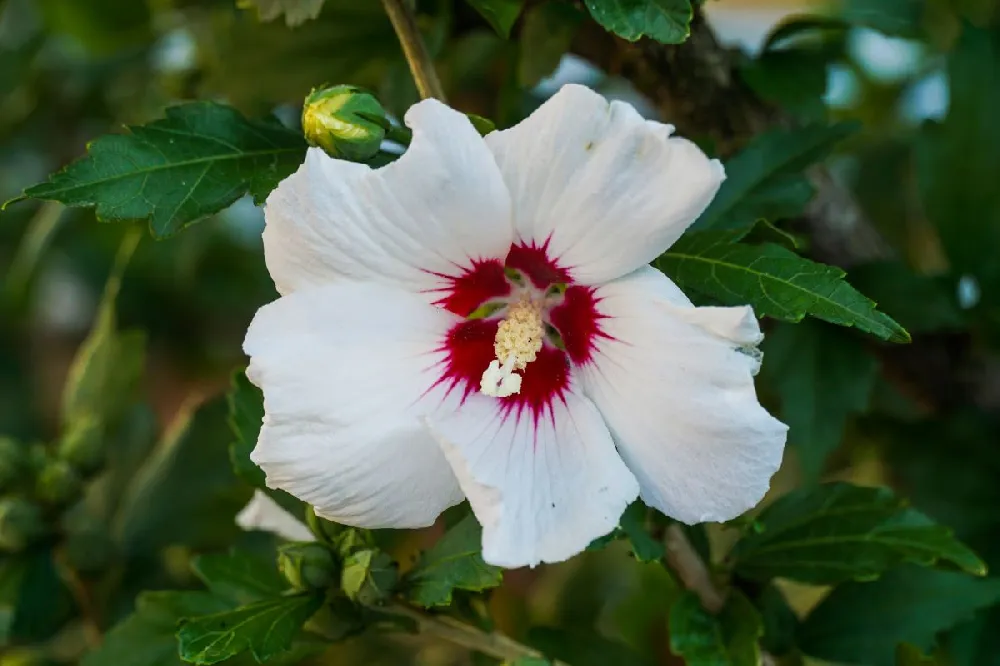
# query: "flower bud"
58,483
82,445
332,119
12,462
307,566
21,523
369,576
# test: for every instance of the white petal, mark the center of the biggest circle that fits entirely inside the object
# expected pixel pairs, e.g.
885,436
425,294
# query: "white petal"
430,213
263,513
344,368
608,190
679,398
542,488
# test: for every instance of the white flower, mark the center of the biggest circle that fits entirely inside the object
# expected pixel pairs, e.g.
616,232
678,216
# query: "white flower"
264,514
583,377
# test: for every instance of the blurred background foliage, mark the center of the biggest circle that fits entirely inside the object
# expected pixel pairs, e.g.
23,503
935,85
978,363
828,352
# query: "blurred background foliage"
921,76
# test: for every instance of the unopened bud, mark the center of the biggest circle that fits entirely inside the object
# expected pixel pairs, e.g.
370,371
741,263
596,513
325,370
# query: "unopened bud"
21,523
12,462
369,576
337,120
307,566
82,445
58,483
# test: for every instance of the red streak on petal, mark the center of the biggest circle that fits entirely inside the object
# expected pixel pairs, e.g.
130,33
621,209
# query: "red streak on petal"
579,323
485,280
468,348
534,261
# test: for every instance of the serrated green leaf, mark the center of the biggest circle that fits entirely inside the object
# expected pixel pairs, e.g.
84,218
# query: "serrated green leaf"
195,162
185,493
454,562
765,179
296,12
545,38
823,376
776,282
728,638
838,532
266,629
501,14
238,577
666,21
862,623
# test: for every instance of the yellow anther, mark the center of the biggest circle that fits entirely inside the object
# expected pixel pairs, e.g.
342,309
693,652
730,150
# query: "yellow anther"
517,343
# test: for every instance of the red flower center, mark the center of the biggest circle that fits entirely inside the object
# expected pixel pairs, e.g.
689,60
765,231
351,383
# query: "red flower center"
570,315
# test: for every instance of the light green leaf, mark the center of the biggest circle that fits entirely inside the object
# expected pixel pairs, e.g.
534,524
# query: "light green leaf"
862,623
296,12
726,639
765,179
185,492
102,378
776,282
838,532
545,38
666,21
266,629
239,577
823,376
501,14
197,161
454,562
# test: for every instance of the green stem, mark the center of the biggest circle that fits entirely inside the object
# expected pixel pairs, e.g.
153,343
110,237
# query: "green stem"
417,56
39,234
465,635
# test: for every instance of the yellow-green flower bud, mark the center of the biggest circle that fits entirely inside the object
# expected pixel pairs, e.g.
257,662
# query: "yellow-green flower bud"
82,445
58,483
332,119
21,523
12,462
307,566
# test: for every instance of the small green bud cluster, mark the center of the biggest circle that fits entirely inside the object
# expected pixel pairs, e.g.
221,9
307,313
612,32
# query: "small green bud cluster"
345,121
307,565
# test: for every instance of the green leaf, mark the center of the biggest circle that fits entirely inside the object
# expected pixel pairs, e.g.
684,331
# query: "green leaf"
197,161
920,303
147,636
794,79
454,562
545,38
266,629
776,282
823,376
862,623
666,21
838,532
246,413
501,14
368,576
765,179
910,655
34,601
185,493
633,526
582,647
239,577
296,12
780,621
901,18
528,661
102,379
726,639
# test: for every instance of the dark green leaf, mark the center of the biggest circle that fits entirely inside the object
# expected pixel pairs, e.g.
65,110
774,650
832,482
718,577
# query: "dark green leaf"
776,282
798,24
296,11
197,161
910,655
726,639
838,532
765,179
185,492
582,648
238,577
919,302
823,376
903,18
780,621
794,79
666,21
34,602
501,14
862,623
246,413
528,661
454,562
633,525
545,39
266,629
